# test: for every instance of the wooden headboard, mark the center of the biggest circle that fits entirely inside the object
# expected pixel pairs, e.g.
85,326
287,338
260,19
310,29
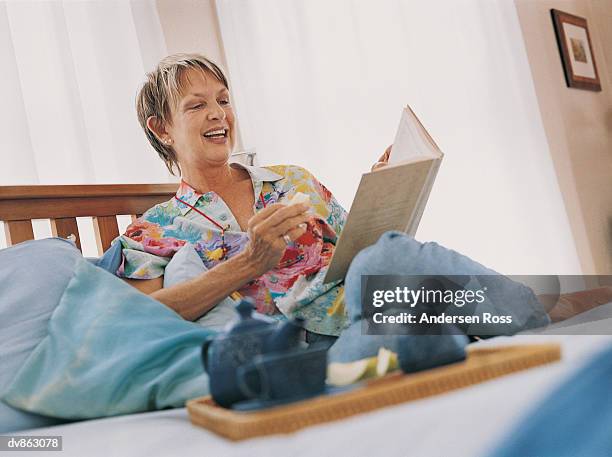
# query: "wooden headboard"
63,204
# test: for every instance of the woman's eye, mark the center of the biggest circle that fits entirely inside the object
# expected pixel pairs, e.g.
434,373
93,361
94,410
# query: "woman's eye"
224,102
198,106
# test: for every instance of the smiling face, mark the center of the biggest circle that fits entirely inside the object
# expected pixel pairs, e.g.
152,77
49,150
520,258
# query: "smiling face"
201,129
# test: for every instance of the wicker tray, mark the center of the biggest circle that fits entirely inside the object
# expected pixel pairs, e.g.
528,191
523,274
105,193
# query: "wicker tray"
481,365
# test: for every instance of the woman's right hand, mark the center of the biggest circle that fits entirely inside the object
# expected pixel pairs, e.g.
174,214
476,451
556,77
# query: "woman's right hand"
266,244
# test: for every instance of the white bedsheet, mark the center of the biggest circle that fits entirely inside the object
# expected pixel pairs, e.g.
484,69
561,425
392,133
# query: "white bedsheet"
467,422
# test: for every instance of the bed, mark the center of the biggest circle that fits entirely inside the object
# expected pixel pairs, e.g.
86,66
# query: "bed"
19,205
467,422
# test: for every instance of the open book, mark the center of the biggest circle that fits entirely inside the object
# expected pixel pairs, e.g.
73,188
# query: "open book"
392,197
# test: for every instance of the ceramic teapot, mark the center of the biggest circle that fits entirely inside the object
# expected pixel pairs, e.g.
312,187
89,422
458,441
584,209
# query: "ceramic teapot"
249,337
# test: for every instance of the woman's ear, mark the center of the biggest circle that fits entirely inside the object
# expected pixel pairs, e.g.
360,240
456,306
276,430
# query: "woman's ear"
157,126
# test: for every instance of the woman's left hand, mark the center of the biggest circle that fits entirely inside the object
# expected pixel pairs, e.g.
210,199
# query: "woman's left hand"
383,159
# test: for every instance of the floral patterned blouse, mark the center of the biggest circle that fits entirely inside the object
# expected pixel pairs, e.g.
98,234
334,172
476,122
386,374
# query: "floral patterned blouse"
294,287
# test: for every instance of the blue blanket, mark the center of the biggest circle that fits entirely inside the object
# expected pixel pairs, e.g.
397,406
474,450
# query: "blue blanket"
110,350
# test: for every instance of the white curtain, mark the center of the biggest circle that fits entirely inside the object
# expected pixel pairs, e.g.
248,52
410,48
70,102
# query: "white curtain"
322,83
71,71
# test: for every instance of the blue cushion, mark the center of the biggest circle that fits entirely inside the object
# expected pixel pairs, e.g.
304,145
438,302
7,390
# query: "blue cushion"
33,276
186,264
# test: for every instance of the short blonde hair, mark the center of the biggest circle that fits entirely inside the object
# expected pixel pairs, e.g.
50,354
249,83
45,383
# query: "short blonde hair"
162,91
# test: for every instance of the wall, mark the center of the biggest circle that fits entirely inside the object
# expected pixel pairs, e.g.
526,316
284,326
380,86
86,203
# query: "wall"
578,123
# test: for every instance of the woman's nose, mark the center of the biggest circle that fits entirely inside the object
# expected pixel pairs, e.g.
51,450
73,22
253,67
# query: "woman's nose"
216,112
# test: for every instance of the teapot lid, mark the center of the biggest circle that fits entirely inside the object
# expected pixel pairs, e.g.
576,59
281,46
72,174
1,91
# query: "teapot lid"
247,322
245,308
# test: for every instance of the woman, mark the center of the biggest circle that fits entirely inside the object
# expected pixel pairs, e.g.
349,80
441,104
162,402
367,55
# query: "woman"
235,216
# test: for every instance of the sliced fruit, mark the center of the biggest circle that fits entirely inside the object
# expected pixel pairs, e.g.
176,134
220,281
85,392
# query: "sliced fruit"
343,374
386,362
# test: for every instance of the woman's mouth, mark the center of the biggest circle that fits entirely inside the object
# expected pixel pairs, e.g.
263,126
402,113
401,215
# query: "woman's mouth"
218,136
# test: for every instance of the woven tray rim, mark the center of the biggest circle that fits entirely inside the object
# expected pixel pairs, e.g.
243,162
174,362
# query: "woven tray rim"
482,364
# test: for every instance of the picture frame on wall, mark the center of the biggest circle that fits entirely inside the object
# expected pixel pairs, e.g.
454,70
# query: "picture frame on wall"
576,51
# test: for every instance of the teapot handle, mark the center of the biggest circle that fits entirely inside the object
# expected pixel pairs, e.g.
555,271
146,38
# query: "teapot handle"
245,371
205,347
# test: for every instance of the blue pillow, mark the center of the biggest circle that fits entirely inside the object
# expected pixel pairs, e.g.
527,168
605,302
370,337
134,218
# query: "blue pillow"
33,276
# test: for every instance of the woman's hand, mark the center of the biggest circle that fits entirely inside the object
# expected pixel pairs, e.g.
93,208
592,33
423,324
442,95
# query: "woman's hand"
266,232
383,160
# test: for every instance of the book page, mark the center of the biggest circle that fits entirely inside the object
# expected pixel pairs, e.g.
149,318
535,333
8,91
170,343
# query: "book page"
411,140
